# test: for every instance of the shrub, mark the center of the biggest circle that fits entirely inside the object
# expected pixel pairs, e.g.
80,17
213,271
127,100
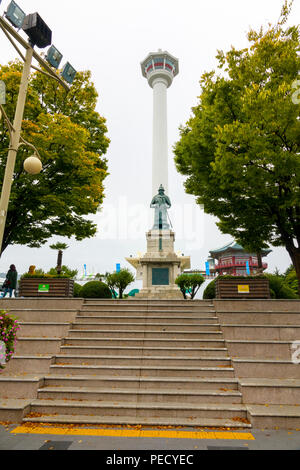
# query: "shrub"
77,289
8,337
291,279
65,271
272,293
189,284
210,291
119,280
95,290
280,288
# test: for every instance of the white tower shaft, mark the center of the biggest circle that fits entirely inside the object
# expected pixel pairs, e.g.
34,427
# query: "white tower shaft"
160,68
160,136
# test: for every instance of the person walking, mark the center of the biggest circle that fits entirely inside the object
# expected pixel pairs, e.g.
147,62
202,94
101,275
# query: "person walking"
10,283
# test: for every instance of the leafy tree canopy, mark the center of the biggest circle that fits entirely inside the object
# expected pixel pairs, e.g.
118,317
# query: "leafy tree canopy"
70,136
189,284
59,246
119,280
240,149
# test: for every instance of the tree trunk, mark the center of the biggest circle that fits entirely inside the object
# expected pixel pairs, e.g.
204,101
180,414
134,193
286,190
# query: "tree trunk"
59,262
183,291
259,259
259,262
295,257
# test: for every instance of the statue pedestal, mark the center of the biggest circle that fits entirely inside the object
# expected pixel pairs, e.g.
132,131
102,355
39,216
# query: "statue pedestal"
160,266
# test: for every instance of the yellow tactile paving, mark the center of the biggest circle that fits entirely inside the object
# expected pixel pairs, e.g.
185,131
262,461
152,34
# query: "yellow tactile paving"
134,433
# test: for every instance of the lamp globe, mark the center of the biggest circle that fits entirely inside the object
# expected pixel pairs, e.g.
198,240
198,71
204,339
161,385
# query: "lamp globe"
33,165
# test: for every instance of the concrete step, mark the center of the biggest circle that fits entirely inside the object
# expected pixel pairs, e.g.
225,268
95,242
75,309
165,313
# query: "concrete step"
136,410
147,326
106,312
266,368
270,391
38,346
20,387
131,303
143,383
79,339
44,315
269,349
261,332
258,305
141,371
149,396
274,416
43,329
146,351
172,334
164,361
166,319
260,318
28,364
13,410
218,423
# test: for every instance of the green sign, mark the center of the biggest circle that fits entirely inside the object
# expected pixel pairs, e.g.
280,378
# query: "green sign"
160,277
44,288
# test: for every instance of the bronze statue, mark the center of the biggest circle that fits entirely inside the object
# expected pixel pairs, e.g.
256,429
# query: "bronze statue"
161,203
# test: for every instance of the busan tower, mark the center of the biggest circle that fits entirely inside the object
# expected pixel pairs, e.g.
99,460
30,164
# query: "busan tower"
160,68
159,267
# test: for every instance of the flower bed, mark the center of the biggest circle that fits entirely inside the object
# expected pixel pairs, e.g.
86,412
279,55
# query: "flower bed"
242,287
8,337
32,286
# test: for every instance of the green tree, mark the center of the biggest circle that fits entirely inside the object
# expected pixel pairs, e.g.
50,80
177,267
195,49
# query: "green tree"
240,149
189,284
290,279
119,280
70,136
280,287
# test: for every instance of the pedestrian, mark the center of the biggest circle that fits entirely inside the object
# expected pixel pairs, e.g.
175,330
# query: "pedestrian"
10,283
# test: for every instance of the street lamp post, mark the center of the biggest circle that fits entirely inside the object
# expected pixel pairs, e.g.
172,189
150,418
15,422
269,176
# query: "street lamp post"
40,35
14,143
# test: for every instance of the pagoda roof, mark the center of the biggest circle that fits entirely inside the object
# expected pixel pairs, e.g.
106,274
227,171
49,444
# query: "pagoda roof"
233,246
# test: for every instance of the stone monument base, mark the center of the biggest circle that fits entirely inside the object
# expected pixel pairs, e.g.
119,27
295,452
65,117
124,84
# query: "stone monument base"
160,293
160,267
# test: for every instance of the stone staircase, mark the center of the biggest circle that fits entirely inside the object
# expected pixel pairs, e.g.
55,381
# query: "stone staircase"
154,362
260,337
137,362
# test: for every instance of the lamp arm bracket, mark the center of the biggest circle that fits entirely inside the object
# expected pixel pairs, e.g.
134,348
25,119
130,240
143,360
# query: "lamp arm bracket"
24,142
9,124
45,73
11,130
12,42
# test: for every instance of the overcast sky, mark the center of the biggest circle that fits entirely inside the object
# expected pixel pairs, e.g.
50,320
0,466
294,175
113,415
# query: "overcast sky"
111,38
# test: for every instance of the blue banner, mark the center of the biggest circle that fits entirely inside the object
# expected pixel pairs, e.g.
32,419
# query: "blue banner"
247,268
207,268
118,268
